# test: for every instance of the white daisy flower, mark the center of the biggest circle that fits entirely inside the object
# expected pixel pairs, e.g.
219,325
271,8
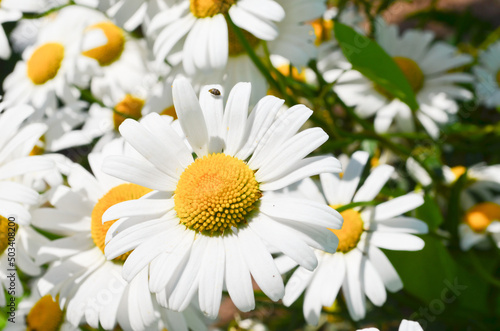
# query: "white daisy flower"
47,71
17,239
405,325
90,288
358,267
199,29
426,65
487,73
110,58
293,45
39,313
210,218
480,221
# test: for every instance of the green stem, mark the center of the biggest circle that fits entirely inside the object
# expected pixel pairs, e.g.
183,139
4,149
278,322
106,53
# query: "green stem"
256,60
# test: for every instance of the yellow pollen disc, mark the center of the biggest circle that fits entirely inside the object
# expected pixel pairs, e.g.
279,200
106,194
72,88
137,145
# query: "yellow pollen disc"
351,231
481,215
285,70
112,50
45,315
235,47
498,77
215,193
412,72
458,171
117,194
39,148
130,106
322,29
45,62
209,8
170,111
4,233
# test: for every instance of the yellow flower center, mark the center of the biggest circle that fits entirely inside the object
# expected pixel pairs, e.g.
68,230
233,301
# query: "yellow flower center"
39,147
209,8
4,233
45,315
129,106
45,62
170,111
235,47
351,231
112,50
481,215
117,194
215,193
458,171
498,77
322,29
412,72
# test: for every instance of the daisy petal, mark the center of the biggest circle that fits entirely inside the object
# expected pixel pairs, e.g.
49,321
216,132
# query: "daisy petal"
190,115
261,265
397,206
238,280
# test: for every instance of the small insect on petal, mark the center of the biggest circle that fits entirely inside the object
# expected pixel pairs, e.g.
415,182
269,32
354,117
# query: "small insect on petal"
214,91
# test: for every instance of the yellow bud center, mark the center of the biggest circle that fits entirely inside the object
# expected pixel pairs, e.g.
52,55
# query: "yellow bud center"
481,215
45,315
458,171
209,8
235,47
215,193
45,62
129,106
117,194
5,229
351,231
322,29
412,72
112,50
170,111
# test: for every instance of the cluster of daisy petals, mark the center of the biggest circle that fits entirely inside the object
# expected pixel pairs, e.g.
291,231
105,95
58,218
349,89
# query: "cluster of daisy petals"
196,184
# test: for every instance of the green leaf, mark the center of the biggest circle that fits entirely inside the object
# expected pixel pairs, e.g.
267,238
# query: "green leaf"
430,213
430,273
373,62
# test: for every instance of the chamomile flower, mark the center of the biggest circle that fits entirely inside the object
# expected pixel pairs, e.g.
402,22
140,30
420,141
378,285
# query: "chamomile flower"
210,218
47,70
90,288
405,325
113,61
426,65
17,239
293,45
487,73
199,29
358,267
39,313
479,222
